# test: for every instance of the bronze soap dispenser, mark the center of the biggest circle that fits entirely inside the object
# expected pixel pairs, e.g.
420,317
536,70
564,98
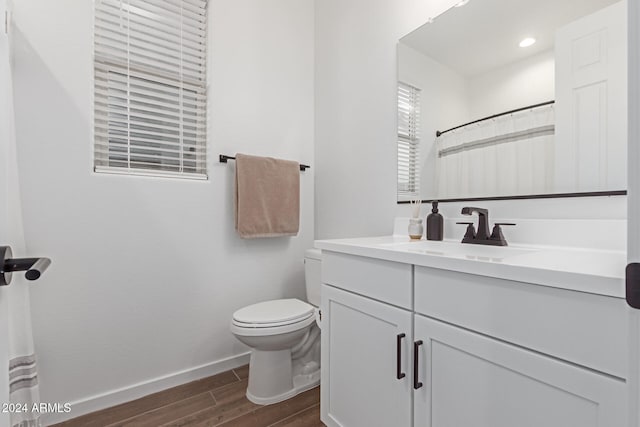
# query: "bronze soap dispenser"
435,223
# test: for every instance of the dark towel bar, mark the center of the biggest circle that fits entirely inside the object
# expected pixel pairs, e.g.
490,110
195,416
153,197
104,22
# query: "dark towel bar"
223,159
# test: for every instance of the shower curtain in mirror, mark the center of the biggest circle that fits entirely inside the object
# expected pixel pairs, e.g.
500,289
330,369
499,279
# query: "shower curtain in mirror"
22,373
503,156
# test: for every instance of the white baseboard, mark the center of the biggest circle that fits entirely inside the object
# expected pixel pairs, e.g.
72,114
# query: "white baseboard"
136,391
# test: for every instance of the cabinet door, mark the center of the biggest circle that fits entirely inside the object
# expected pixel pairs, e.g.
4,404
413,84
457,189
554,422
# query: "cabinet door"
359,384
472,380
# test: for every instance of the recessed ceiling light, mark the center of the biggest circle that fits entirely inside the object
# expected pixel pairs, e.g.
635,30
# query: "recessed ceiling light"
461,3
527,42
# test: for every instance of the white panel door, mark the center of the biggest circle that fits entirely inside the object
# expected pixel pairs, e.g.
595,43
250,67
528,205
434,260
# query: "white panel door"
360,342
501,385
5,115
591,102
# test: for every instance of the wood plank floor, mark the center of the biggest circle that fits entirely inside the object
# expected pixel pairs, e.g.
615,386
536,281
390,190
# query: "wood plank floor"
215,401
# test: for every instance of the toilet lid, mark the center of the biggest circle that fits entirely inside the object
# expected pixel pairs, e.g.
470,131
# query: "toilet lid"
274,312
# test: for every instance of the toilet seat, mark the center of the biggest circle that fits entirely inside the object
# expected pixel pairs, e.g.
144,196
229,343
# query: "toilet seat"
273,317
270,325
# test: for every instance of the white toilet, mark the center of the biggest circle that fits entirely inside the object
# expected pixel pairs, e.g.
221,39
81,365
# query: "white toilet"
284,337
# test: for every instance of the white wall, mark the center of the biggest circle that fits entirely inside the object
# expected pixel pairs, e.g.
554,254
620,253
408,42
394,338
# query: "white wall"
356,108
356,121
526,82
147,272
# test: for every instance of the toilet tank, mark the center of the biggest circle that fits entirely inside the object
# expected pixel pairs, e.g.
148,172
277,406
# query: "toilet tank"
312,262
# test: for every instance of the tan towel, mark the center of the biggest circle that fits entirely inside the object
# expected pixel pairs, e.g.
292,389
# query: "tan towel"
267,197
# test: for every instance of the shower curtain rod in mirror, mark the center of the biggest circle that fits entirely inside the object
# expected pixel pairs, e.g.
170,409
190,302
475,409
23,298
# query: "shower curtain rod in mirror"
438,133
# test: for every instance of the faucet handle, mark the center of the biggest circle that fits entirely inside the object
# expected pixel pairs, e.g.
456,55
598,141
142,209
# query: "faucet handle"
496,233
470,233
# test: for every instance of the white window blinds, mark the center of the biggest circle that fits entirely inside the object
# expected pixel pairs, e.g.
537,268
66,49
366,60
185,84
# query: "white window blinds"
408,141
150,87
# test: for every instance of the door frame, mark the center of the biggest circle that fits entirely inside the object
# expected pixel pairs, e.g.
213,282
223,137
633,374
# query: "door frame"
5,111
633,203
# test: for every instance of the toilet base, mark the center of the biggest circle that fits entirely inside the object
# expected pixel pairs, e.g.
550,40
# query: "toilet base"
301,383
278,375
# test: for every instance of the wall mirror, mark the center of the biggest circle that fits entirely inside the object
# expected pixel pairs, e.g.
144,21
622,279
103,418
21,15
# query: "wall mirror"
514,98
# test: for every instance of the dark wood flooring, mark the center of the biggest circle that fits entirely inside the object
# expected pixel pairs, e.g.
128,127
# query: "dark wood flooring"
215,401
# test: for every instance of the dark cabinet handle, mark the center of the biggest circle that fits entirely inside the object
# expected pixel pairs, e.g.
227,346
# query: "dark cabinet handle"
399,374
416,363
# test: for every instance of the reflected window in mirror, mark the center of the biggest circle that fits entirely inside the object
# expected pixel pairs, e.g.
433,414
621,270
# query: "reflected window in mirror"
408,142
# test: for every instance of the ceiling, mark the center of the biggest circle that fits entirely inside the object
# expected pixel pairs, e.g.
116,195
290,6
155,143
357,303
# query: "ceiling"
485,34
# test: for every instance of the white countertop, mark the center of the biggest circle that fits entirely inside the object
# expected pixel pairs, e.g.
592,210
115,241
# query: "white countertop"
584,270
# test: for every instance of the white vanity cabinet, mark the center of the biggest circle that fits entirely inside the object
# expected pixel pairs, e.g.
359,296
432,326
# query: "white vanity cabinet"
366,371
485,352
363,342
473,380
517,354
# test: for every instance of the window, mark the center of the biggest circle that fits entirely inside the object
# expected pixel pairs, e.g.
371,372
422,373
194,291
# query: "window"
408,142
150,87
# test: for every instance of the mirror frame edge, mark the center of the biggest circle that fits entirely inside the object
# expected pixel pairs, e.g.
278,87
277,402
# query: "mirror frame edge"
525,197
